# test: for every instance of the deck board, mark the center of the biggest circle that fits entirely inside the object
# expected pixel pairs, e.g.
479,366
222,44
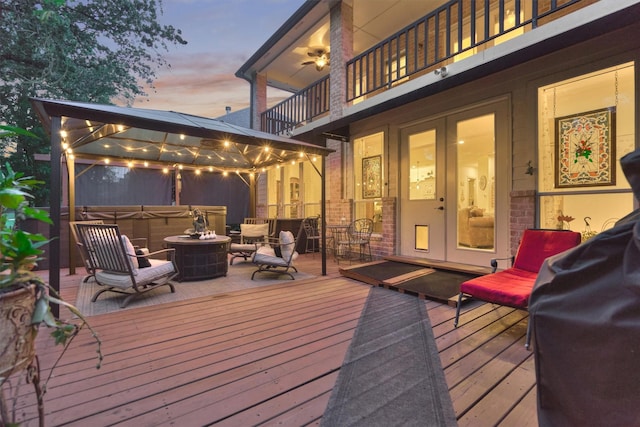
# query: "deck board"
269,356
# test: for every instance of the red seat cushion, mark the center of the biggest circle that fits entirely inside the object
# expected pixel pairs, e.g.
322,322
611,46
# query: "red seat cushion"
538,245
510,287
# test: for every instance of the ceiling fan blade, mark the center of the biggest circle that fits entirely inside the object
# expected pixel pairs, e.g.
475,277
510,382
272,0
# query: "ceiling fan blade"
308,62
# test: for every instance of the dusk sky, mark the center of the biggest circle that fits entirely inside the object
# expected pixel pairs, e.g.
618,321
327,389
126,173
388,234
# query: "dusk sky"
221,35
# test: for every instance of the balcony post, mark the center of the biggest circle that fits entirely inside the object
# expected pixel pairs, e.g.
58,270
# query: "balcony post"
258,103
341,33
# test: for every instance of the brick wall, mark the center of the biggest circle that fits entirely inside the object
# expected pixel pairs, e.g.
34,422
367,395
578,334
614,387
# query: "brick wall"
384,243
522,215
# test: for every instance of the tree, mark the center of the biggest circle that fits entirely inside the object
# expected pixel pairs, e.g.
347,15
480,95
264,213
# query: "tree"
89,50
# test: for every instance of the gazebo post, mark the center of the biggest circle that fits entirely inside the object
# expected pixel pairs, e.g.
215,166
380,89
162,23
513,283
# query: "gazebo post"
54,197
252,196
323,212
71,185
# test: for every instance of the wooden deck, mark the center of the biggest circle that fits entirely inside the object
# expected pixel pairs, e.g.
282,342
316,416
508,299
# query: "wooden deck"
269,356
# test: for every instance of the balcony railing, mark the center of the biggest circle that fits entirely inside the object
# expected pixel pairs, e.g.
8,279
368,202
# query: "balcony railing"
454,31
304,106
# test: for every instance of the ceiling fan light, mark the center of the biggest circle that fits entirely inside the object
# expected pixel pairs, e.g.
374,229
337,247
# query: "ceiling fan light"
321,61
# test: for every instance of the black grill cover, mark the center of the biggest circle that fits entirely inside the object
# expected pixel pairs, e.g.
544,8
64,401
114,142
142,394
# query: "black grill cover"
585,317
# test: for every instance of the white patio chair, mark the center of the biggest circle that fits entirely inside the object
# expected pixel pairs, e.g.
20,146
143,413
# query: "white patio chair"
277,255
113,259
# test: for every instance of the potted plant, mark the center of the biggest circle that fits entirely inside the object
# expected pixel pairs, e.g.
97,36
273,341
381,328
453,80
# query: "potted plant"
25,298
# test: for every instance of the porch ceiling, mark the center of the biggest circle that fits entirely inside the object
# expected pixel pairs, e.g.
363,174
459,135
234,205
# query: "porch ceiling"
125,134
280,58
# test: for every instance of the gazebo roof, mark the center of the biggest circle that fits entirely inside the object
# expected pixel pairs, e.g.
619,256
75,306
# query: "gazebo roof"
128,134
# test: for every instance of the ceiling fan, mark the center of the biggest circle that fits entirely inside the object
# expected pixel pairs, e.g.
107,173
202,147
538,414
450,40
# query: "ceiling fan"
322,58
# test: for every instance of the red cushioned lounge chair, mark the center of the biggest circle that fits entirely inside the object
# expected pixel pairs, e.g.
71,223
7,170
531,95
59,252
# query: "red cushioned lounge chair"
512,286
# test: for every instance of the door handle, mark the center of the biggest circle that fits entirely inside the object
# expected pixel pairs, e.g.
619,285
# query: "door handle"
440,208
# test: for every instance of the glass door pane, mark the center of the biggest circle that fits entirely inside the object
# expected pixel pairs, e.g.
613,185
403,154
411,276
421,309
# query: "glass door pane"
422,165
476,182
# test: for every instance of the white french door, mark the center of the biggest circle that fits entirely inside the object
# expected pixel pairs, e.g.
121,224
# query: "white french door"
450,192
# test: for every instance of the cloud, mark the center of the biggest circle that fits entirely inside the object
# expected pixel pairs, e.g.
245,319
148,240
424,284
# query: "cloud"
221,36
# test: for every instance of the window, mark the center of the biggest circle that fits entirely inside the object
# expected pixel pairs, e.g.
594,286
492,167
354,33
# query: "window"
580,184
368,166
294,190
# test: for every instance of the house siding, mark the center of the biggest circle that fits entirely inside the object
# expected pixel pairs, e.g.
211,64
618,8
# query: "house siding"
517,84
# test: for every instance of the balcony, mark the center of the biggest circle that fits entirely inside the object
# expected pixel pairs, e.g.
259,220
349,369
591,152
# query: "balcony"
452,32
305,105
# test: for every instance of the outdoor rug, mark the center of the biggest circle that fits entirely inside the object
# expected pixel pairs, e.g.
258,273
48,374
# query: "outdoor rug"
441,285
391,375
237,278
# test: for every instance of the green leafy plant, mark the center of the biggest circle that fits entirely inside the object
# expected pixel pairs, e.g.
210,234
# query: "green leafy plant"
20,250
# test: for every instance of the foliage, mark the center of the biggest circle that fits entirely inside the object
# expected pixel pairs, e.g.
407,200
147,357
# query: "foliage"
19,250
90,50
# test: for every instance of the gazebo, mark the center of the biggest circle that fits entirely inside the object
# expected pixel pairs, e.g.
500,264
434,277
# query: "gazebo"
97,132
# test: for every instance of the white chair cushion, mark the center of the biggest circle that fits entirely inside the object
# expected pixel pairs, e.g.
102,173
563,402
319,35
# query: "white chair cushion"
254,230
261,258
159,268
266,250
131,251
286,246
242,247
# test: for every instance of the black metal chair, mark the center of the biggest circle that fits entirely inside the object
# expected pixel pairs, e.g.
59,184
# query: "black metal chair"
312,233
358,239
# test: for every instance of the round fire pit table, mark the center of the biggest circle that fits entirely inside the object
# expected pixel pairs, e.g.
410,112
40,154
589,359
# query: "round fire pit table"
200,259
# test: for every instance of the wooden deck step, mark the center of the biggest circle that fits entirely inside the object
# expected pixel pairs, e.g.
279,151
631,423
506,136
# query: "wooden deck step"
440,265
